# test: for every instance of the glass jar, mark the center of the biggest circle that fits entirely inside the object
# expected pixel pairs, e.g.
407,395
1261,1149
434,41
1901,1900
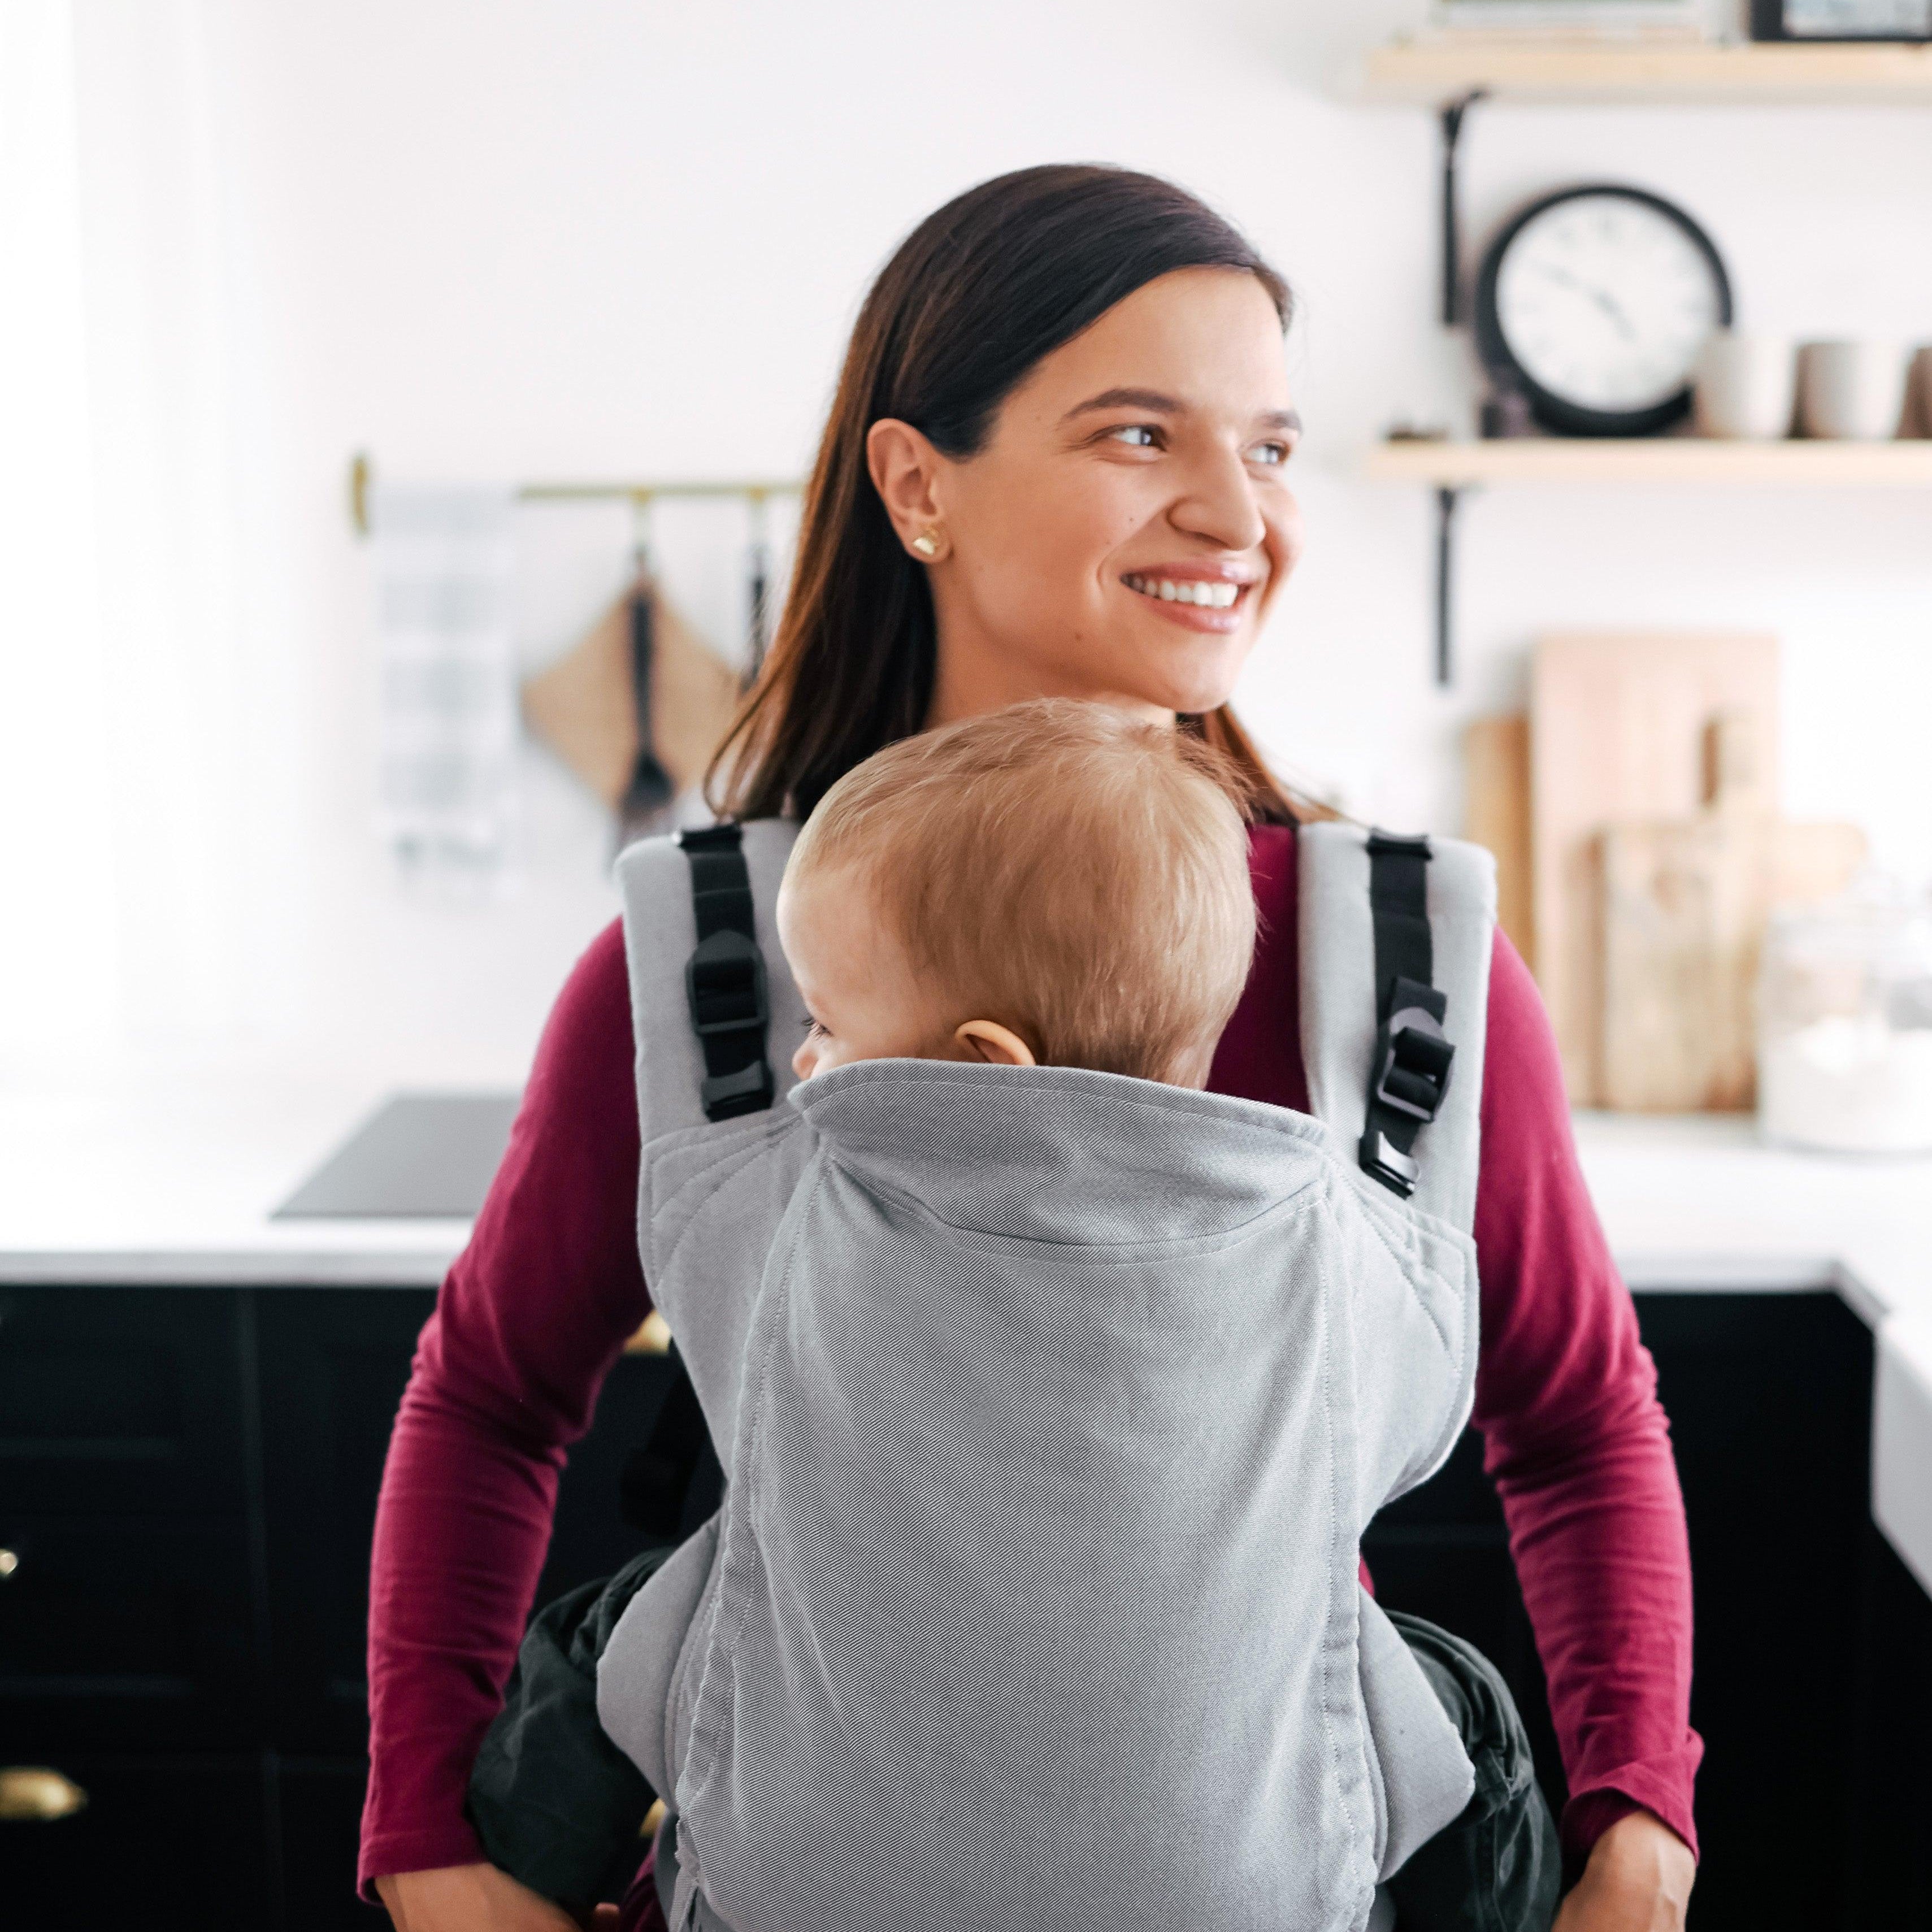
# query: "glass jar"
1845,1024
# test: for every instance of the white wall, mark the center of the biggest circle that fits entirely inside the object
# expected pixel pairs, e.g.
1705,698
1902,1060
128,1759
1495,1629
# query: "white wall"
498,239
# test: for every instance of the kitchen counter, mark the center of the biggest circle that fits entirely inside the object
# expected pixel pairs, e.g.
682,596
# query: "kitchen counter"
176,1184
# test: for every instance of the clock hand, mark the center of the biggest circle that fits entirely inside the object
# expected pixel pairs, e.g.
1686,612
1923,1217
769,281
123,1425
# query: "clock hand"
1607,303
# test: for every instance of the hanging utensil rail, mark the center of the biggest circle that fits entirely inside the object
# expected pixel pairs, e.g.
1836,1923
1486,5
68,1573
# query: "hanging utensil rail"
755,492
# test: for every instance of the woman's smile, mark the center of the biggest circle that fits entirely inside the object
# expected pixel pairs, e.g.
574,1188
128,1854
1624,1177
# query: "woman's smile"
1198,596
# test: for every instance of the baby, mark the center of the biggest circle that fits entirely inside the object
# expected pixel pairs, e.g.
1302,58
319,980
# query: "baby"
1053,1392
1057,885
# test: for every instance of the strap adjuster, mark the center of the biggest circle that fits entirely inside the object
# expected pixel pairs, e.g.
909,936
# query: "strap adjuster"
1382,1160
752,1083
725,985
1413,1056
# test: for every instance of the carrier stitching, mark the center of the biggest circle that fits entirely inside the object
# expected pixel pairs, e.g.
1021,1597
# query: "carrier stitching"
1406,1259
745,1140
1452,1423
1334,1533
744,1157
1298,1202
755,1425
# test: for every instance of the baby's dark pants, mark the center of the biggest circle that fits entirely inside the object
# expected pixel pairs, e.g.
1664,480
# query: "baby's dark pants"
558,1806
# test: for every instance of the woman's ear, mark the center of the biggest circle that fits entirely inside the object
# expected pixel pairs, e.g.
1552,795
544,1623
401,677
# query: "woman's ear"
905,470
997,1046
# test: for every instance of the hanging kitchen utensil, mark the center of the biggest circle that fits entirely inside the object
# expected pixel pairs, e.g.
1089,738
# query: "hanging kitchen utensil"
582,707
650,790
760,587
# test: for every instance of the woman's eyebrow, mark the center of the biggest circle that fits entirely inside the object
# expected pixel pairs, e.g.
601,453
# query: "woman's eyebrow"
1126,399
1157,403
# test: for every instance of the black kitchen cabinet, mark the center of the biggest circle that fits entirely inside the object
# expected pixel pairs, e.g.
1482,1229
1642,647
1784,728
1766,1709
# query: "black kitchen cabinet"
187,1481
1812,1672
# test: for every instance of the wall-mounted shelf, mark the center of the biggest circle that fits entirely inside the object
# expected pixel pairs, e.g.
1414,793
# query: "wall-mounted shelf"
1662,460
1436,72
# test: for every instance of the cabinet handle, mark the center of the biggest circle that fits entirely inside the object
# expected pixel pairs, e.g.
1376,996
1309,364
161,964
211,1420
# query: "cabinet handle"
31,1791
10,1561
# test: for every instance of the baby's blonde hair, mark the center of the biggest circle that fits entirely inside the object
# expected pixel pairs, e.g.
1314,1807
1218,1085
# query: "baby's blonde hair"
1078,875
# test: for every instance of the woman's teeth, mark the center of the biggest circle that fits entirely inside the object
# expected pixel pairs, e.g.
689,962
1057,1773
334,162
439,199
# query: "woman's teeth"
1210,596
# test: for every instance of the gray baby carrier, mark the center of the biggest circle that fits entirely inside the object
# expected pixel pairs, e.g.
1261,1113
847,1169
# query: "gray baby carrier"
1052,1406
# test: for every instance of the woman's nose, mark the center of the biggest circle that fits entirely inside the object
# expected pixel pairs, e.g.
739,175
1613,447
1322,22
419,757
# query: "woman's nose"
1219,505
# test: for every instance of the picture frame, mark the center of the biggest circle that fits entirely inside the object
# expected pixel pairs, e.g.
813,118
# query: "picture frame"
1906,21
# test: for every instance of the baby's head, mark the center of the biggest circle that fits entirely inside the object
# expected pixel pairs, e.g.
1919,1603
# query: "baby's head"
1057,884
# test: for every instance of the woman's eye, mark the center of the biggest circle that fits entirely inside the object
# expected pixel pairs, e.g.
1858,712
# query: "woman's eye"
1270,455
1138,436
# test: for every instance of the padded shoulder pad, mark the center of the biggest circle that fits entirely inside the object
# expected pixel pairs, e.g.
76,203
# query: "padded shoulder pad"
1337,948
660,935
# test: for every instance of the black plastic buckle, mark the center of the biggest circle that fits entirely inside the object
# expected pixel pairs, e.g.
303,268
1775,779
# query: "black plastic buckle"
752,1083
1382,1160
727,971
1413,1058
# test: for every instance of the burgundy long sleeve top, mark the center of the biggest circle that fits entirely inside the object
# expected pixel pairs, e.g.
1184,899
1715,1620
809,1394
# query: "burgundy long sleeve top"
537,1307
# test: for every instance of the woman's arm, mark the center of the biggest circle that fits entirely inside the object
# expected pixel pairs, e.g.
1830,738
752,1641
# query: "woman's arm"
527,1324
1566,1398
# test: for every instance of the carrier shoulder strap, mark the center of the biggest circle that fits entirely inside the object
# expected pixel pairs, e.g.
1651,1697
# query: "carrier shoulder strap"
1408,1076
1395,938
724,977
714,1013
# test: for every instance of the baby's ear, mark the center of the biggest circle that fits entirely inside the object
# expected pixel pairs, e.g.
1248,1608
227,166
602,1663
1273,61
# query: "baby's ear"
996,1045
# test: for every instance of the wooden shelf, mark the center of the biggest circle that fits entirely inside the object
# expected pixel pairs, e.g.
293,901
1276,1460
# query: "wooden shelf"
1430,72
1664,460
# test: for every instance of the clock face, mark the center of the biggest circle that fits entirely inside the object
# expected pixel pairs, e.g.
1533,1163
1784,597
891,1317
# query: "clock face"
1603,299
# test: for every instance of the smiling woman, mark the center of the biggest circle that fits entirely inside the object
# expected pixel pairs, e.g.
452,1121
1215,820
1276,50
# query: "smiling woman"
1054,468
1057,444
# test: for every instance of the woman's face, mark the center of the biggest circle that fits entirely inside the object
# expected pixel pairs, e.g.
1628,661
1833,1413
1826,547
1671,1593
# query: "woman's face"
1123,531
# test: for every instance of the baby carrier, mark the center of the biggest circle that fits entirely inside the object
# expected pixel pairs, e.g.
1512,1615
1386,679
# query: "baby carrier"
1052,1405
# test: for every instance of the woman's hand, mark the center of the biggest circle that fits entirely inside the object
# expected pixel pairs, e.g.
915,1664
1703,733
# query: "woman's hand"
473,1898
1638,1879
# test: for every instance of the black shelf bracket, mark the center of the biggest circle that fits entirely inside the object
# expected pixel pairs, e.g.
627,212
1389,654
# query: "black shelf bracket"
1452,115
1447,500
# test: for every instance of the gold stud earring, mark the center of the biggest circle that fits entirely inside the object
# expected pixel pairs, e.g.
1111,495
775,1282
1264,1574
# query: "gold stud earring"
927,544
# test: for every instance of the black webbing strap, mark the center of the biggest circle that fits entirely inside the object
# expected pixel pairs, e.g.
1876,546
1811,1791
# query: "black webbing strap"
724,979
1410,1072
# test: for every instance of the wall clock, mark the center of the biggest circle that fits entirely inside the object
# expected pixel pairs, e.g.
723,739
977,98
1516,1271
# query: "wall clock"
1594,303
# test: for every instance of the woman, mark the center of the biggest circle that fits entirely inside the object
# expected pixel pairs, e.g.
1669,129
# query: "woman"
1054,465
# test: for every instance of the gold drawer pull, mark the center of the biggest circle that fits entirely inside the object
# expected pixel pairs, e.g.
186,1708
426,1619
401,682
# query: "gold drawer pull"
653,1338
33,1791
653,1818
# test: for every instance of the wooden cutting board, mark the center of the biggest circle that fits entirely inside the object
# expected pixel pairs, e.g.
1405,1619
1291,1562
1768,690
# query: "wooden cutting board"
1495,814
1685,905
1618,732
581,705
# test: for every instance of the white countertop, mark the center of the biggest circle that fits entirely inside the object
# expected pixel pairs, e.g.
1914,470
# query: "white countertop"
175,1183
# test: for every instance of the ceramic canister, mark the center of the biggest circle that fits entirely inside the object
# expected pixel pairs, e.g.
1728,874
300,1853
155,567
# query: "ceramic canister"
1745,385
1851,391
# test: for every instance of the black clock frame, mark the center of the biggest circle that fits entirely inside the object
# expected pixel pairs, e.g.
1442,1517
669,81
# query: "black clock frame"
1767,23
1555,411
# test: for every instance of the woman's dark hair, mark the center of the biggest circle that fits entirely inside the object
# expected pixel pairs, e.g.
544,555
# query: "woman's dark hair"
975,296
